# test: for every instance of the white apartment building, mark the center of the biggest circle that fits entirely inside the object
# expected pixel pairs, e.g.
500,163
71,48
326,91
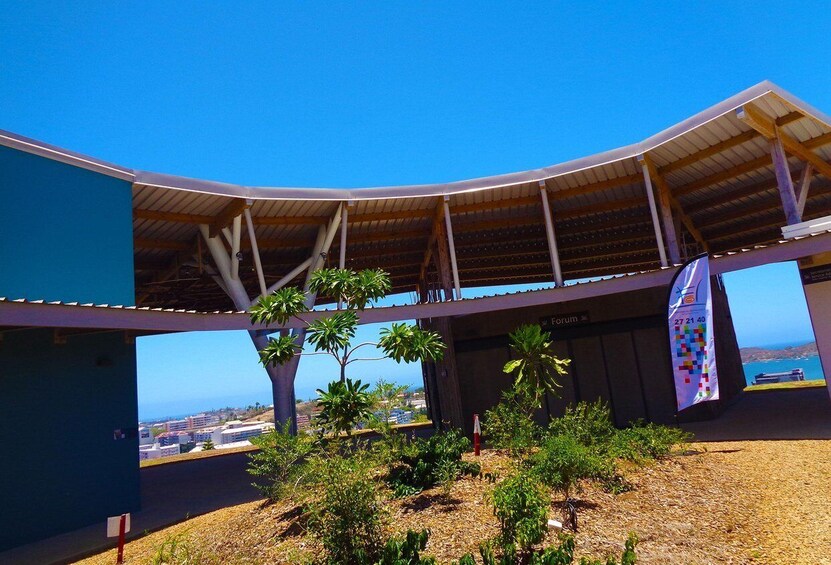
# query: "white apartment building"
145,436
175,425
236,431
156,451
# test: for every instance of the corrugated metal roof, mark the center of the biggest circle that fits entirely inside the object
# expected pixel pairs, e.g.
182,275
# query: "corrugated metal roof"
717,168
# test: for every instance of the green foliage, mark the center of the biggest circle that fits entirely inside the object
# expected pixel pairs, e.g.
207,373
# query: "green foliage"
563,554
279,350
177,549
563,462
424,463
406,551
521,504
535,369
281,462
344,404
588,423
279,307
347,517
333,333
508,425
642,442
409,343
208,445
357,290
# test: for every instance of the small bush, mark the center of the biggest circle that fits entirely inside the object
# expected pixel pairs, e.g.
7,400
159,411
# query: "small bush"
406,551
562,463
642,441
590,423
521,504
424,463
347,517
280,463
507,425
563,554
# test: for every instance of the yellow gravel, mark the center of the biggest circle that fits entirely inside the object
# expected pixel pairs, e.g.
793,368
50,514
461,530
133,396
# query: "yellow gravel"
754,502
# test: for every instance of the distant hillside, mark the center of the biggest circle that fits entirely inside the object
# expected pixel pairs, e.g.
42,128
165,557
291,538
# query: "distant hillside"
754,354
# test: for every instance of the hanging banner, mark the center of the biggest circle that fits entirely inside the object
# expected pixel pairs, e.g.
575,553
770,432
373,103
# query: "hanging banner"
691,344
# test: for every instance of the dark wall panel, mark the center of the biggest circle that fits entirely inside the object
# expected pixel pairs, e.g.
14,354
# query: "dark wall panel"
624,378
652,350
590,369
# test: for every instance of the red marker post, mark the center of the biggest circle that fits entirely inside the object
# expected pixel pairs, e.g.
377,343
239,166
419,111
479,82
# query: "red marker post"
477,433
118,526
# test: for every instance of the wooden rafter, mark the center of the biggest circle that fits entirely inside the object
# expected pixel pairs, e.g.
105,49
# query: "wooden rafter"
226,216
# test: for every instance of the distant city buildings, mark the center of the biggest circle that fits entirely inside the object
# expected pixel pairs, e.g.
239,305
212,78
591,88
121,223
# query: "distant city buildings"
156,451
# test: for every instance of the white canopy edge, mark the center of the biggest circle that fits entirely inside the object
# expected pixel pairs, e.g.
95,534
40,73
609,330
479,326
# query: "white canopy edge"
162,180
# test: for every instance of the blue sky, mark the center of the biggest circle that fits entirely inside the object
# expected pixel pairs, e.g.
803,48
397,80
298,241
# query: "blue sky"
334,94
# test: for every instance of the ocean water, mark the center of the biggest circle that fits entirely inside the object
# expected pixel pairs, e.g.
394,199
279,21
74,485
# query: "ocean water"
811,366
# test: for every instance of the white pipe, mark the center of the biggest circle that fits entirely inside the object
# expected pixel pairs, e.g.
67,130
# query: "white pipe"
452,247
228,237
255,251
235,243
342,261
804,185
234,287
552,240
656,224
288,278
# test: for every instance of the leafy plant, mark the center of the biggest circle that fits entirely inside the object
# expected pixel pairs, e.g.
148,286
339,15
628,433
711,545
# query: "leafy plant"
347,517
642,442
343,405
208,445
508,426
590,423
535,369
521,504
562,463
406,551
563,554
280,464
424,463
177,549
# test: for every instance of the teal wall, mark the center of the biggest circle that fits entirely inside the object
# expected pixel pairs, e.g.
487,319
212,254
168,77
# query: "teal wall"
65,233
61,468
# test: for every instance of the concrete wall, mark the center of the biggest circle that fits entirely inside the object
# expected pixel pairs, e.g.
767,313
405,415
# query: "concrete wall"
65,234
62,469
818,297
620,355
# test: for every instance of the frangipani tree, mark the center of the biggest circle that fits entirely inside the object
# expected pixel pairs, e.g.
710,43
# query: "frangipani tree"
333,335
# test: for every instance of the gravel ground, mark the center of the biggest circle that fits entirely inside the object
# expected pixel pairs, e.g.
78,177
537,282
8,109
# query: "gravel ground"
755,502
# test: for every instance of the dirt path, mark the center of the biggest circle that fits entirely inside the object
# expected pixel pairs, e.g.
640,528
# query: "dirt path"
747,502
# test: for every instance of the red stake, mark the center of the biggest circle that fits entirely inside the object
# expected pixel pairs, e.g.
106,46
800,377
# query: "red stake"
477,432
122,525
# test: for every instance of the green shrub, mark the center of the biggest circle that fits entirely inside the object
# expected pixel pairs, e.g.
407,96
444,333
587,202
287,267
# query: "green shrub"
343,405
521,505
563,554
177,549
280,464
347,517
590,423
406,551
507,425
646,441
563,462
424,463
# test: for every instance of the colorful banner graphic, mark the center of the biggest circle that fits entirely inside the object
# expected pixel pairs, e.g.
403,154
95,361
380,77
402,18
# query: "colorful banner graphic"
692,348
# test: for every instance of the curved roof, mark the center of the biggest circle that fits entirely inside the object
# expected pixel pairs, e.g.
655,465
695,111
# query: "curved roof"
716,168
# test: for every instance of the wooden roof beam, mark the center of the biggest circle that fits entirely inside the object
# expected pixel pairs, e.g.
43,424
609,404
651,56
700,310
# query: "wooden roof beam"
226,216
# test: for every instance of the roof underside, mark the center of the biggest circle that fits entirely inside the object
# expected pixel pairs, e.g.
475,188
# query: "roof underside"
717,167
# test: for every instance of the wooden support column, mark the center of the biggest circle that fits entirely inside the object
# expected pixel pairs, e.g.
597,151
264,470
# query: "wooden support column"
552,240
664,196
784,181
447,377
804,185
656,223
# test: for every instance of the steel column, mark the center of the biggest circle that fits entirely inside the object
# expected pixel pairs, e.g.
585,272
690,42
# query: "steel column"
453,266
656,224
552,240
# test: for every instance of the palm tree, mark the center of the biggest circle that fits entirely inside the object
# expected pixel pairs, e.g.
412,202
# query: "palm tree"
535,369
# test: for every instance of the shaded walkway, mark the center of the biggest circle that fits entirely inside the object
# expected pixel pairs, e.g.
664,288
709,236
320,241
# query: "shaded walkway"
169,493
775,414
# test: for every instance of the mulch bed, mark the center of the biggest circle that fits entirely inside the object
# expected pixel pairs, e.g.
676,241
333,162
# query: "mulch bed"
760,502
